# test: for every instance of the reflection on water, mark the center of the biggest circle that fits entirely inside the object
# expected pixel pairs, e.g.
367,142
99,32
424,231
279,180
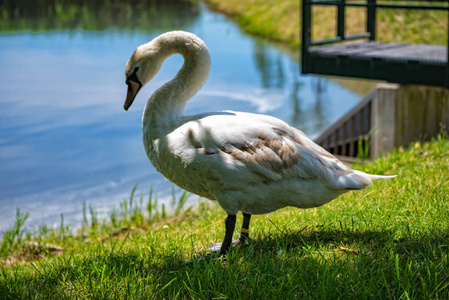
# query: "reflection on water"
64,137
135,15
320,121
270,67
277,75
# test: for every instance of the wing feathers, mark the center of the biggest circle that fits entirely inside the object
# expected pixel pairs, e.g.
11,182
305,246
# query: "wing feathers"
273,150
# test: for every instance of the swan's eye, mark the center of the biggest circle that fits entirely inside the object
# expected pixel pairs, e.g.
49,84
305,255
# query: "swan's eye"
133,76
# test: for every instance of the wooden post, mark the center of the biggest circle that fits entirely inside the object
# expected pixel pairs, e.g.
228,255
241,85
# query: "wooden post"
447,53
306,36
383,118
371,19
352,139
341,19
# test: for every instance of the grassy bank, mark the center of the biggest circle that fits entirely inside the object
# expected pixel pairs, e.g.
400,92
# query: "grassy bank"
274,20
389,241
280,21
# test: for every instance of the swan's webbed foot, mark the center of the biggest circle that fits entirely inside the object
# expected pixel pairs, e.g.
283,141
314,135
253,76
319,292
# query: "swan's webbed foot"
216,247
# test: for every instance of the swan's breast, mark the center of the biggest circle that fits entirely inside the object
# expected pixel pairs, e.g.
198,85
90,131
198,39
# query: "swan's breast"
175,158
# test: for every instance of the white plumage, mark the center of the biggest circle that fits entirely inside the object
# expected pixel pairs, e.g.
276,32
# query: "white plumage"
246,162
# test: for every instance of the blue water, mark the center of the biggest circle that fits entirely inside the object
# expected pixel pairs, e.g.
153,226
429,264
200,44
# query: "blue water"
65,138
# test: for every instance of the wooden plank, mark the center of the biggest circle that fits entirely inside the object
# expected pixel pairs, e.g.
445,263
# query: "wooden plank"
385,50
397,70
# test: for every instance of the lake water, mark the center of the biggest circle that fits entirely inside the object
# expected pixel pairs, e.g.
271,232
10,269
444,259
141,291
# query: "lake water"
64,136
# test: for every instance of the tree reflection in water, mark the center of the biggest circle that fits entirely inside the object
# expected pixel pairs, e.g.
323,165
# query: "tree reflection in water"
135,15
275,75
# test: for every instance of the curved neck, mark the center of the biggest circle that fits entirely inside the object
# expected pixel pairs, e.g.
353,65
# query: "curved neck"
166,106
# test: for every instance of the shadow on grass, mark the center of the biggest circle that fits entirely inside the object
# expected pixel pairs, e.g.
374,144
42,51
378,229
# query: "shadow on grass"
106,274
368,240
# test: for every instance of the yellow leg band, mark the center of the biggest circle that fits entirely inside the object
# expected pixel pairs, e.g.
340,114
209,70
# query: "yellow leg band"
244,230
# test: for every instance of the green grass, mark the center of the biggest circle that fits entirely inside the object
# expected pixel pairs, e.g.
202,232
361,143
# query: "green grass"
389,241
272,19
280,20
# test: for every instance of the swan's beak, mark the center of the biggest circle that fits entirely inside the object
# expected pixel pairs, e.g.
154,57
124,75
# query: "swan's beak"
133,89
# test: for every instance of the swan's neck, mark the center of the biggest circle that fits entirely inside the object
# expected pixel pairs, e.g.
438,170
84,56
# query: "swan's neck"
165,107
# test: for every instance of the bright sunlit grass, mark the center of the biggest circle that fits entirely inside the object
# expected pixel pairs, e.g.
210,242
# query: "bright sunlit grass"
388,241
276,20
280,21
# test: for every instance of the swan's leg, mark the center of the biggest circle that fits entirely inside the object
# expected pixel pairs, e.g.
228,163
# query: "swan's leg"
227,242
244,231
230,226
219,249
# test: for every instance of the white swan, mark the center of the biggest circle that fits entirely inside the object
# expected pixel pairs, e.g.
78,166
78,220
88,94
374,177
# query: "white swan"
247,162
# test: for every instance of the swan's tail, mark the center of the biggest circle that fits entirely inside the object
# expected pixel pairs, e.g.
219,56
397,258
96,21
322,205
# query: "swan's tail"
357,180
374,177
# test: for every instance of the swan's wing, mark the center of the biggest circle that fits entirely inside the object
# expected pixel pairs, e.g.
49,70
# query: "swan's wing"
267,147
299,136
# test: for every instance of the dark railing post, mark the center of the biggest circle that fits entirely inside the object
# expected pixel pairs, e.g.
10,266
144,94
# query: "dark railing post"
306,35
371,19
341,19
447,52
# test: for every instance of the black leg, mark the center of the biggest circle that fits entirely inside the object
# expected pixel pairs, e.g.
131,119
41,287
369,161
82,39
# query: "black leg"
219,249
230,226
244,232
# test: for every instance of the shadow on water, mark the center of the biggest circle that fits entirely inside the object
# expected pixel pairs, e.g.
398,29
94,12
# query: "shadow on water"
135,15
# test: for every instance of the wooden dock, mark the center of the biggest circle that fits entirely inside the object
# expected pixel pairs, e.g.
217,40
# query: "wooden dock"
413,106
398,63
369,59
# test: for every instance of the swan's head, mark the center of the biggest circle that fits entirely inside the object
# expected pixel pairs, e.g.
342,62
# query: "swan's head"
141,68
148,58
